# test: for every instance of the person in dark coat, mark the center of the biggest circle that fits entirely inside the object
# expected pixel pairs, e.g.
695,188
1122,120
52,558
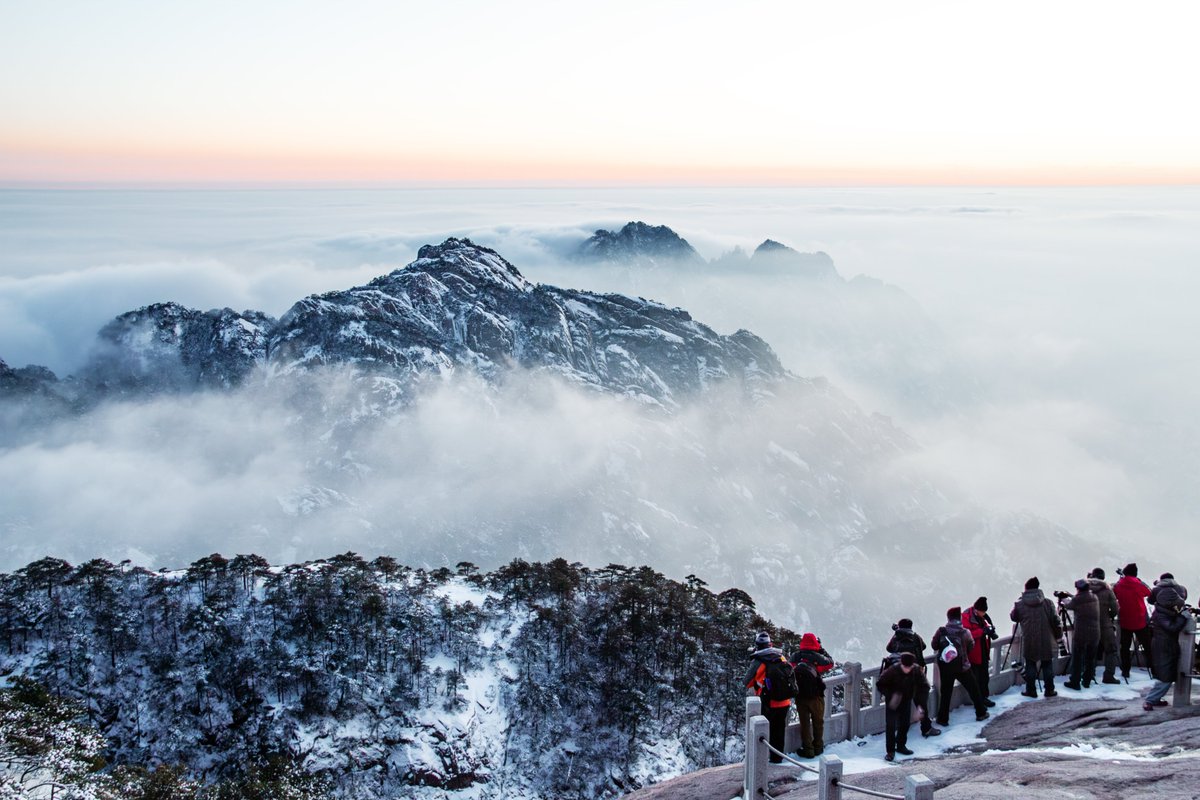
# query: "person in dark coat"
1131,592
1086,639
810,702
906,640
776,711
1168,621
898,684
1109,611
957,668
1040,629
976,620
1167,594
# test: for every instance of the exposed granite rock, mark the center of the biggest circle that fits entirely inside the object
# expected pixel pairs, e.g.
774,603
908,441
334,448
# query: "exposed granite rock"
1160,749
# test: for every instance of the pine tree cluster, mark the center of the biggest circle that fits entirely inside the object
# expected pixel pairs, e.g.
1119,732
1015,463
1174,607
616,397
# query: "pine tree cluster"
351,678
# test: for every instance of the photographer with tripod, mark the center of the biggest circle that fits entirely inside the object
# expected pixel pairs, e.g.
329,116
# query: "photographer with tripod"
1086,637
1040,627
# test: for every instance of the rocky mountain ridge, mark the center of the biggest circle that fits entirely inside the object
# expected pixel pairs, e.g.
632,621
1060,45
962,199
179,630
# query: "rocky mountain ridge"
458,306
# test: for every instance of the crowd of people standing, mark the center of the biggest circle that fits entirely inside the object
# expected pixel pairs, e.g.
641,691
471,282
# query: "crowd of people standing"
1107,624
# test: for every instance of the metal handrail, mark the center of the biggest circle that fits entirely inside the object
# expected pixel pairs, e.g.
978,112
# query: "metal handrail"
870,792
788,758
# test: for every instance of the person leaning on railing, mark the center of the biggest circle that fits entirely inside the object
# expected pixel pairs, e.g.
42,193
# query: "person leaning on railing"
1168,621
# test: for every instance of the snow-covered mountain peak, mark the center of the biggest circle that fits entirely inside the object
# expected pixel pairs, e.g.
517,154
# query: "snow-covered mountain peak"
469,261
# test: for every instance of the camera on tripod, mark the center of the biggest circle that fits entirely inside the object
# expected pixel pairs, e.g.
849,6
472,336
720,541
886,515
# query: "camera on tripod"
1062,596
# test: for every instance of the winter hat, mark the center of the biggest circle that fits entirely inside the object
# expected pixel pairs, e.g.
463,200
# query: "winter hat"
763,639
1130,569
1097,573
954,612
1081,585
1032,583
809,641
981,604
905,623
908,659
1166,576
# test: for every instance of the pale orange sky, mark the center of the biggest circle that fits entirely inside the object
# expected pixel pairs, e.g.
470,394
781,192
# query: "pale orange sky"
643,93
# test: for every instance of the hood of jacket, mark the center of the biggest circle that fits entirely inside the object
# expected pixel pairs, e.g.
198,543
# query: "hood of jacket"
1032,597
768,654
1096,585
809,641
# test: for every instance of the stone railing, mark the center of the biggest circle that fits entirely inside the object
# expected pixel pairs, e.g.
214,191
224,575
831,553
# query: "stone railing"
863,713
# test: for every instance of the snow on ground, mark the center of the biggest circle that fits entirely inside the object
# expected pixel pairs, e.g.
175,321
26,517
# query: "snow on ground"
866,754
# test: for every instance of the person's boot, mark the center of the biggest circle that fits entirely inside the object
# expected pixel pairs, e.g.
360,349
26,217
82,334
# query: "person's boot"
931,731
806,752
1050,690
1110,679
1072,685
1030,689
818,747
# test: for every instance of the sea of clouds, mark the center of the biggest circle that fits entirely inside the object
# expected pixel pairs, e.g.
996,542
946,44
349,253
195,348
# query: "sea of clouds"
1060,342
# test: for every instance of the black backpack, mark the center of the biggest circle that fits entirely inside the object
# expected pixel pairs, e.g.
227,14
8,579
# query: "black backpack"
780,681
808,681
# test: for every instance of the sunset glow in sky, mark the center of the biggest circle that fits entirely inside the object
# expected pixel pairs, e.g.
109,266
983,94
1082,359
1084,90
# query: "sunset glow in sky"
622,92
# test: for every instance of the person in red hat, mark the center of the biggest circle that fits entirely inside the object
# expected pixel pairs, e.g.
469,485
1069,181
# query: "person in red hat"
811,661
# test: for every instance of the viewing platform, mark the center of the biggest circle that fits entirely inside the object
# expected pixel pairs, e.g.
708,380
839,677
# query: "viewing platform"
1094,743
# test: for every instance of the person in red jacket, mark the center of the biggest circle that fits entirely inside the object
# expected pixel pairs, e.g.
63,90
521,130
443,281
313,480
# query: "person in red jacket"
766,656
1131,594
976,620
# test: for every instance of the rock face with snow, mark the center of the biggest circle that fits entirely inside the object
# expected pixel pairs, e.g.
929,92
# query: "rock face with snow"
166,347
462,306
641,244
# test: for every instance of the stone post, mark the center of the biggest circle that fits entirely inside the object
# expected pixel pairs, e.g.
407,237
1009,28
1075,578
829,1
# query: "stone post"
756,758
1187,653
828,777
918,787
852,698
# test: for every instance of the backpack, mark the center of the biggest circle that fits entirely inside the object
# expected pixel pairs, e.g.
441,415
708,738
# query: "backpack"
808,681
780,681
949,653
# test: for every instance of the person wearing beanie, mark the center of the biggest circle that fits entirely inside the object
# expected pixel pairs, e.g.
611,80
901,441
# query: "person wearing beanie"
952,642
765,665
811,661
1109,612
906,640
1132,617
1039,629
1086,637
898,686
1168,621
976,620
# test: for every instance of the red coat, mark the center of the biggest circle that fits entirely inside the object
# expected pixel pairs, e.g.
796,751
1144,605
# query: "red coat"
1131,595
972,620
